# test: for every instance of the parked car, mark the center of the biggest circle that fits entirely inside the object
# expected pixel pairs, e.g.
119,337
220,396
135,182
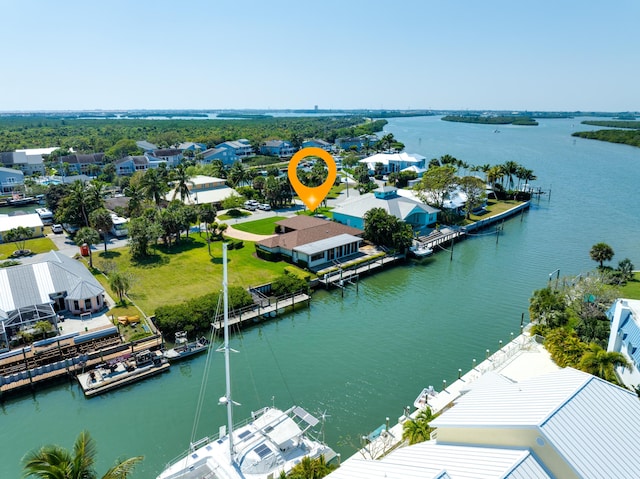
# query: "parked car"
57,228
265,207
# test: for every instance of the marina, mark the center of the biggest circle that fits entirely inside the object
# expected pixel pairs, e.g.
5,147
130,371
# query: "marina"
366,356
185,348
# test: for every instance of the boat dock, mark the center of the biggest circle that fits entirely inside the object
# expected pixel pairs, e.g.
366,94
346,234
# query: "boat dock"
342,275
34,367
264,308
524,356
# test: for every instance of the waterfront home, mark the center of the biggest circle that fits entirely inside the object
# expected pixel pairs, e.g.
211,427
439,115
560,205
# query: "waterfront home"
414,212
191,146
317,143
226,155
30,162
146,146
353,143
394,162
542,427
10,180
205,189
624,337
82,164
31,221
311,242
36,292
130,164
171,156
240,149
279,148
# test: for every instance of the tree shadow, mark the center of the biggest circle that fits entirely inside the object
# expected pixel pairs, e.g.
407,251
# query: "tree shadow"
184,245
151,261
109,254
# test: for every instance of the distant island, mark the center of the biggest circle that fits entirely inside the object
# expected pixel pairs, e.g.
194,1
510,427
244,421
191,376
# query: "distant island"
493,120
630,135
243,116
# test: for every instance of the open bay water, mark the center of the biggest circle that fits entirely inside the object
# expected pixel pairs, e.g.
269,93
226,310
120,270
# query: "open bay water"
367,355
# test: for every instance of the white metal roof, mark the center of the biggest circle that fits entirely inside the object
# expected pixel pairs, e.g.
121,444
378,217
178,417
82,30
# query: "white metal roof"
327,243
31,220
428,460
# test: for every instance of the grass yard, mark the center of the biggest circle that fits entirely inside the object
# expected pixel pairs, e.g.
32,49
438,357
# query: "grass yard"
265,226
631,290
322,210
187,271
36,245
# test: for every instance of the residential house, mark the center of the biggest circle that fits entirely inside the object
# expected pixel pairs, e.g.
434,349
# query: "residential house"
226,155
240,149
312,242
146,146
10,180
28,163
83,164
191,146
205,189
541,427
353,143
416,213
171,156
130,164
394,162
624,338
31,221
280,148
317,143
36,292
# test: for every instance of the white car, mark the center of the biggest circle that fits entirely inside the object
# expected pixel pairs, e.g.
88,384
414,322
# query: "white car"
57,228
265,207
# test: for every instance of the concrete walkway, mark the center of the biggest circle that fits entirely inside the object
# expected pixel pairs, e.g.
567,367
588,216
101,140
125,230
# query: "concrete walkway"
231,232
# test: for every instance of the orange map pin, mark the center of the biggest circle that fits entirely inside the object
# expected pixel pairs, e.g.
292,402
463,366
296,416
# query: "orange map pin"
312,197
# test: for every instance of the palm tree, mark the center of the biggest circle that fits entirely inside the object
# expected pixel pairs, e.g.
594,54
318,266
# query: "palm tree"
136,195
19,236
120,284
509,169
101,220
80,198
154,186
207,213
601,252
418,429
601,363
626,269
90,237
182,181
55,462
237,174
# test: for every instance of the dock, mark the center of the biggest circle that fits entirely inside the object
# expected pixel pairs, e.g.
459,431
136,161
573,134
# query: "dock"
264,308
342,275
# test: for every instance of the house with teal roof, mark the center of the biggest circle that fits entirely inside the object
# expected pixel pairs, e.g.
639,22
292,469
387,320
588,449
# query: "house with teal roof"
416,213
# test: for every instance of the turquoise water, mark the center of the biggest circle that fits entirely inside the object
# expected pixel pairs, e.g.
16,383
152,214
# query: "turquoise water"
367,355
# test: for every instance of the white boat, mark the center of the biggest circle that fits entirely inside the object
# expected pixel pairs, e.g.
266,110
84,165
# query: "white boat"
45,215
422,401
185,348
122,371
420,251
271,442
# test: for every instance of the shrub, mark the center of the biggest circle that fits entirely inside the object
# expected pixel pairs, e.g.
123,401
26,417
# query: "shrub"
286,284
235,213
267,255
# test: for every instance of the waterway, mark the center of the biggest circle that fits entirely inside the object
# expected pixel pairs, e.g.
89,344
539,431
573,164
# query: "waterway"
364,357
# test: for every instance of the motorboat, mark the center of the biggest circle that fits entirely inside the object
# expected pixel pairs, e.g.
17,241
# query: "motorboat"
121,371
184,348
267,445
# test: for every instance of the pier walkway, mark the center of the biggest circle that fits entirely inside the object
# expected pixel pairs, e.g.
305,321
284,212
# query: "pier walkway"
264,309
338,278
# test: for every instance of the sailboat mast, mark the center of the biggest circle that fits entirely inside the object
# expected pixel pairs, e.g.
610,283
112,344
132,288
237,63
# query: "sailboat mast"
225,299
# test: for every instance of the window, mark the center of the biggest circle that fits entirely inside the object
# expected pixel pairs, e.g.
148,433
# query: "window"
87,304
76,305
317,256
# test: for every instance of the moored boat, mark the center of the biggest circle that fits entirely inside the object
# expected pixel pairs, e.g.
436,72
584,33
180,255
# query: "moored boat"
185,348
122,371
422,400
420,251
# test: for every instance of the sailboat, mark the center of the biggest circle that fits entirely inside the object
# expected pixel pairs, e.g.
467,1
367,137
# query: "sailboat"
269,443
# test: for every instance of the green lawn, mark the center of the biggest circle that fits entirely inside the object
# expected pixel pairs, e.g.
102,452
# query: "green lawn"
37,245
631,290
187,271
322,210
265,226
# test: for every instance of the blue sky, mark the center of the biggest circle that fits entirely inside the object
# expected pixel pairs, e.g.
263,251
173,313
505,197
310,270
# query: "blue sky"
209,54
